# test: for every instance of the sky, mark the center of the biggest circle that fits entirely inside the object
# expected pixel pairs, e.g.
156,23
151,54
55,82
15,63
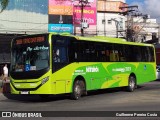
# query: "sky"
150,7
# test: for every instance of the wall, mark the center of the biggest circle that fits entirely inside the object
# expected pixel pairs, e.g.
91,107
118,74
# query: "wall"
108,28
65,16
25,17
109,19
144,29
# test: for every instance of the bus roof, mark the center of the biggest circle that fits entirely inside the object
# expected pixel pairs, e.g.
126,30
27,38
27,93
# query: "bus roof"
103,39
98,39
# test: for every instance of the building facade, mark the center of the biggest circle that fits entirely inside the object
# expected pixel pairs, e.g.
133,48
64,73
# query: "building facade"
24,17
110,21
145,29
21,17
36,16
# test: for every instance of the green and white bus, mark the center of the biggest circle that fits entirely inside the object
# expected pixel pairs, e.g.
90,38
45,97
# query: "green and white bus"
51,64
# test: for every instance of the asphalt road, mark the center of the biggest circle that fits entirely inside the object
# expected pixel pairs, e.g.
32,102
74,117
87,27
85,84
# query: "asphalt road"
144,98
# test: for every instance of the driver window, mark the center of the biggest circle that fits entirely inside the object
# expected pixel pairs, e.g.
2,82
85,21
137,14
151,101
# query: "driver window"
60,54
56,57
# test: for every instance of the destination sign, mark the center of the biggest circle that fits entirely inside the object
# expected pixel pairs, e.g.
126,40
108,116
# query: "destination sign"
30,40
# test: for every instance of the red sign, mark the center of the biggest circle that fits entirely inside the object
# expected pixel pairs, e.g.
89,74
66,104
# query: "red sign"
30,40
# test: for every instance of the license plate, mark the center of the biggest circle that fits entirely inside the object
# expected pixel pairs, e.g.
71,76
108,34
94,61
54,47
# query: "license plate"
25,92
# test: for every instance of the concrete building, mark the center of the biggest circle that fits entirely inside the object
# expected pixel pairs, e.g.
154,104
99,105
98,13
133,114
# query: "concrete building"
145,29
24,17
110,21
21,17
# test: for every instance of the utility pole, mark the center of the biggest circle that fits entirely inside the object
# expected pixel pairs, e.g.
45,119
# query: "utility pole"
129,26
116,23
140,26
82,15
84,24
104,18
131,34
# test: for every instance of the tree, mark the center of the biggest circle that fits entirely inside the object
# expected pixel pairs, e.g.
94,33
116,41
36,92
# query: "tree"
3,5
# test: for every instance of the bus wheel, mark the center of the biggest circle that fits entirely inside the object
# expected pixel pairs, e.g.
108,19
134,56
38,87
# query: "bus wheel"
83,85
131,84
77,89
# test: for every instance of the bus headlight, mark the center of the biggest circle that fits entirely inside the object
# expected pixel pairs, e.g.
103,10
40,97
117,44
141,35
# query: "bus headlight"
44,80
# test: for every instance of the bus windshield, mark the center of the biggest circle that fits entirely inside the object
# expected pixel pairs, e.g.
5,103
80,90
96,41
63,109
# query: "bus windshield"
30,56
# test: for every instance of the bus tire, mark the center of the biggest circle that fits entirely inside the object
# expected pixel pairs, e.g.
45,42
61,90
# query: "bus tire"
77,89
131,84
83,85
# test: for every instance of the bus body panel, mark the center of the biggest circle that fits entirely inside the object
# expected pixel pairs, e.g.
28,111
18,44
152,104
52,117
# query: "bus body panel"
97,75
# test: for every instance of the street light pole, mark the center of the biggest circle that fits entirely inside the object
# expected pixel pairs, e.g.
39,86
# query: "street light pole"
82,15
84,24
129,27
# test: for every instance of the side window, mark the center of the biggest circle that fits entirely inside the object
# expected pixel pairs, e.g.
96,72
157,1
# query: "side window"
89,52
71,52
102,52
80,51
119,51
151,54
145,54
76,51
110,52
83,52
130,54
99,52
137,53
